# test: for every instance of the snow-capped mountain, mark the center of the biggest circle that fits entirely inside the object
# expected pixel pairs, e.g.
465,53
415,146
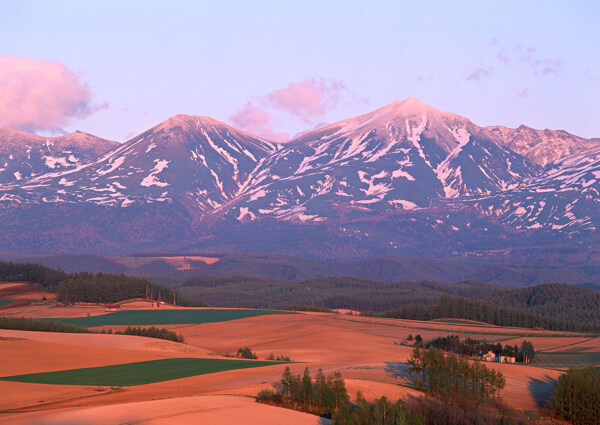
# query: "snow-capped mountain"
565,197
542,146
403,177
405,155
24,155
194,160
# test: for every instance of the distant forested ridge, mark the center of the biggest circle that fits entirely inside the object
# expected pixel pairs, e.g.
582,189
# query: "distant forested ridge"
556,300
89,287
463,308
422,300
331,292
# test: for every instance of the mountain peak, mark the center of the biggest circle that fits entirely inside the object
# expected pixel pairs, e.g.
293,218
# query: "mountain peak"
406,107
189,121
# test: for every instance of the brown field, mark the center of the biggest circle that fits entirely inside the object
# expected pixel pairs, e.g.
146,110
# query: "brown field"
368,351
587,345
180,263
22,291
181,410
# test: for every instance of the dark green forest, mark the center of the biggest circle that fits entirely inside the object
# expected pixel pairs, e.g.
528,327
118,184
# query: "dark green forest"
89,287
331,292
556,300
576,396
573,309
463,308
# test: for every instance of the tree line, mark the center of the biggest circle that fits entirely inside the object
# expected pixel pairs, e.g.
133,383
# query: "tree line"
453,378
330,292
152,332
463,308
576,396
522,307
474,348
565,302
327,396
28,324
102,288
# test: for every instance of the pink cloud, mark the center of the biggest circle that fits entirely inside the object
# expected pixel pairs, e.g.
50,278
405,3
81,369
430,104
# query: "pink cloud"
309,101
257,121
41,95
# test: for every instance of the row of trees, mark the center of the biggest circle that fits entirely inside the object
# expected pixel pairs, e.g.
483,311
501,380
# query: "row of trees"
152,332
27,324
576,396
327,396
89,287
453,378
246,353
463,308
473,348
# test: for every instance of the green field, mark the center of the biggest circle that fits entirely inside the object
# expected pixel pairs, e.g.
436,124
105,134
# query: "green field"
125,375
566,359
163,317
4,302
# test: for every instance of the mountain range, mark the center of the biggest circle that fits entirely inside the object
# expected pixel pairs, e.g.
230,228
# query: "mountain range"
405,179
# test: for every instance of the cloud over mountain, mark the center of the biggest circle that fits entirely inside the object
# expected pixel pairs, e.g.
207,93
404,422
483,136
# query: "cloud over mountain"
308,101
41,95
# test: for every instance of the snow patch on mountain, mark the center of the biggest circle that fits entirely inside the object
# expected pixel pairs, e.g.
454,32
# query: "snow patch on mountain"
150,179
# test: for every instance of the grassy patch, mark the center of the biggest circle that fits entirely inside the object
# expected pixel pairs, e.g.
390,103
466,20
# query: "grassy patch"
163,317
125,375
566,359
4,302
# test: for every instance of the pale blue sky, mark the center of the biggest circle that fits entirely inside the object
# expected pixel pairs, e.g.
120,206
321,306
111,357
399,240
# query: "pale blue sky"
495,62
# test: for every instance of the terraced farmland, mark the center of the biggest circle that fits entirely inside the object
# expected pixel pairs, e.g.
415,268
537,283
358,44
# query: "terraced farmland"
129,374
163,317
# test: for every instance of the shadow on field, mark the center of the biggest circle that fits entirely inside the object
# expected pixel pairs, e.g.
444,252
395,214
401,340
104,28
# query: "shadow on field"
397,370
541,389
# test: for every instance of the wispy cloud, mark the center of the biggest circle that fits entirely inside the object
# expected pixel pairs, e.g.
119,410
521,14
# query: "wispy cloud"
528,56
480,72
41,95
308,101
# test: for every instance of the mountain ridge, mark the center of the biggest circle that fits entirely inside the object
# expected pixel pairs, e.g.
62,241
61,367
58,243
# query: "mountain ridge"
403,177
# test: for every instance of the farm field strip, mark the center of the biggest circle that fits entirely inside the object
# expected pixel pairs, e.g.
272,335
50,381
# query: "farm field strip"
139,373
5,302
565,346
163,317
565,359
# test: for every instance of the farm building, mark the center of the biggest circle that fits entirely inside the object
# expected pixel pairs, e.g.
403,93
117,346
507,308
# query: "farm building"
112,307
490,356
